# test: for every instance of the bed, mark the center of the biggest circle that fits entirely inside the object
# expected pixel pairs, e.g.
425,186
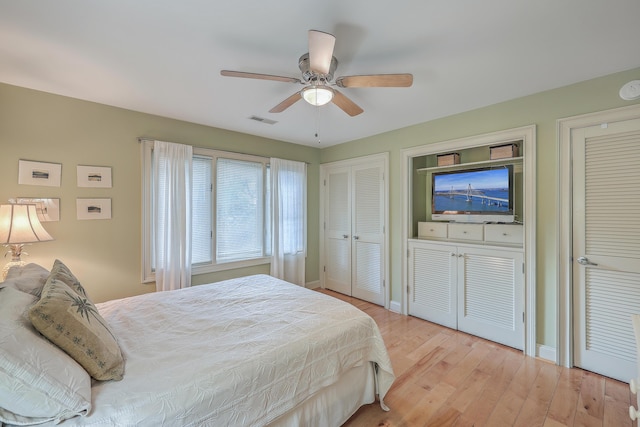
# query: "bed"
253,351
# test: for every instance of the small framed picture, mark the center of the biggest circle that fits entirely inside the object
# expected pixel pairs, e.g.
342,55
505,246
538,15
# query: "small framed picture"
39,173
93,208
94,176
47,209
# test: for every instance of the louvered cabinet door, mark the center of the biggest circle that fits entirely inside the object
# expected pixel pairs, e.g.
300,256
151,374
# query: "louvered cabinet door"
606,247
432,282
491,294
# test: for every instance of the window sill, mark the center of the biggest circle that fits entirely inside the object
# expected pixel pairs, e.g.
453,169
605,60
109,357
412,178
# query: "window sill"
204,269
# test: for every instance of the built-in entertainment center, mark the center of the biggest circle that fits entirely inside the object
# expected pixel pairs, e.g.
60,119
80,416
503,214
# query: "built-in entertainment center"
466,254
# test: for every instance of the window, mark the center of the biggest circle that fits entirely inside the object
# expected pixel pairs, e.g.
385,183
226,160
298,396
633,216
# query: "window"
230,218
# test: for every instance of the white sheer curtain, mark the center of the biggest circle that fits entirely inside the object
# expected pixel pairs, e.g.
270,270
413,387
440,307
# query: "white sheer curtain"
172,180
289,220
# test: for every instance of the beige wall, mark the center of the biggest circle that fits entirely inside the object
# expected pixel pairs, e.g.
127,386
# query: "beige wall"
543,110
105,254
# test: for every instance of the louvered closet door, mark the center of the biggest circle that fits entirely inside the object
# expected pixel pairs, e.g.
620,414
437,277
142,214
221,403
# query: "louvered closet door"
338,231
432,278
367,233
491,294
606,247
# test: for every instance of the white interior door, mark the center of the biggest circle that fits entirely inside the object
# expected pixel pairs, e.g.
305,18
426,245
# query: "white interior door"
337,233
368,233
606,247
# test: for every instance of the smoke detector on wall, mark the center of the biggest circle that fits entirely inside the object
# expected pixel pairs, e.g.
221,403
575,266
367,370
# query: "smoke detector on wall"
630,91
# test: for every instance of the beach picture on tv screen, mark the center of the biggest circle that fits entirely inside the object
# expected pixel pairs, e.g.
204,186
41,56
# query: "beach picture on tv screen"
472,191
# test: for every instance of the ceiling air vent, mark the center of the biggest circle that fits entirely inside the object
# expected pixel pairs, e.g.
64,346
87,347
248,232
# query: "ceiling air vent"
263,120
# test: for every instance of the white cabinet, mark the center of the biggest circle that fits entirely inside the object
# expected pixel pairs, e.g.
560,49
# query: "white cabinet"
472,288
354,213
489,234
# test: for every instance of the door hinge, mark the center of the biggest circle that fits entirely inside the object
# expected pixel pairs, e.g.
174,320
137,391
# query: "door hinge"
384,285
324,268
324,183
408,253
408,290
523,267
523,317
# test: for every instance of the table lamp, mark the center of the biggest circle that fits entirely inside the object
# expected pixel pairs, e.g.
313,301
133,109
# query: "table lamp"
19,225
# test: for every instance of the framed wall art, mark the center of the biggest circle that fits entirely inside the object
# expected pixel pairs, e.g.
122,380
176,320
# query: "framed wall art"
94,176
47,209
39,173
93,208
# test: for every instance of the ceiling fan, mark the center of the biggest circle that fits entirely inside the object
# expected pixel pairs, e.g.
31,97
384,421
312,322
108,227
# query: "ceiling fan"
318,67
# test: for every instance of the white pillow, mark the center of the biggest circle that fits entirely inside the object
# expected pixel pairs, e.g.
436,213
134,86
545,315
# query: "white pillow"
38,381
29,278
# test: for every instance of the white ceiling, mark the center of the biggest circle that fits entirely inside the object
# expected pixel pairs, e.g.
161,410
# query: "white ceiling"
164,56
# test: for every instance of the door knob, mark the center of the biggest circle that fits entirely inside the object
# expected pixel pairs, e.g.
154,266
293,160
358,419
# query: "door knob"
583,260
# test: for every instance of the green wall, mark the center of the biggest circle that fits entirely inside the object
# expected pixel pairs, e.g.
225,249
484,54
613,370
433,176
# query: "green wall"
105,254
543,110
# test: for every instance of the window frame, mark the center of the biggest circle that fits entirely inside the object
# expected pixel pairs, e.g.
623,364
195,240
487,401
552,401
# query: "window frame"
148,273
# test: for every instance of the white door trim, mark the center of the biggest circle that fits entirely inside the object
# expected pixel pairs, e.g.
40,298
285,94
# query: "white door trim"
351,162
528,135
565,126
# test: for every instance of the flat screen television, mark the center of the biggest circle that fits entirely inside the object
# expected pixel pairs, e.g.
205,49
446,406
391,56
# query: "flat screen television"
473,195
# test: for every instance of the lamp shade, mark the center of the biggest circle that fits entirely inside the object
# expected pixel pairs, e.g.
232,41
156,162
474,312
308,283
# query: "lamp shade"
20,224
317,94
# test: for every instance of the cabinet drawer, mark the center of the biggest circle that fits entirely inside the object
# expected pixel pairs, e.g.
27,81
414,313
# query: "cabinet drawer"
465,231
503,233
432,229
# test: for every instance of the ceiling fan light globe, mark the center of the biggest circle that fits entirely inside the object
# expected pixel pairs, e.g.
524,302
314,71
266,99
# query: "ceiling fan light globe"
317,95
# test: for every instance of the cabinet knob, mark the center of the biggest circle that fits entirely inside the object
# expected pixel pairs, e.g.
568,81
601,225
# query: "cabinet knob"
452,254
505,234
345,236
356,237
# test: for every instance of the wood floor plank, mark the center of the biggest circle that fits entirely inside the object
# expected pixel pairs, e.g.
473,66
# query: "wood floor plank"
447,378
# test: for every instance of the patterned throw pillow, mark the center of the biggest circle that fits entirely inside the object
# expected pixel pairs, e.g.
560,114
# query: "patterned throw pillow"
38,381
72,322
61,272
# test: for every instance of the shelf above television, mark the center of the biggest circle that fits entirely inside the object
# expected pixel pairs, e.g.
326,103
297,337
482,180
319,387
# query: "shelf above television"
460,166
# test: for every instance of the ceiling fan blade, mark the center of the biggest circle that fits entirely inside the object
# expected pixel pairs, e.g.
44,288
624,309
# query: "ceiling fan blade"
345,104
320,51
376,80
286,103
229,73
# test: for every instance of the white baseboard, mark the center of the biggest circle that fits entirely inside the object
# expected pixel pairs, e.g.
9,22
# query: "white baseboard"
312,285
546,352
395,307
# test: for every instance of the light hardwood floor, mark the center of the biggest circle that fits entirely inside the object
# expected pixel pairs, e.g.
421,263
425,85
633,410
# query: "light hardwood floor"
449,378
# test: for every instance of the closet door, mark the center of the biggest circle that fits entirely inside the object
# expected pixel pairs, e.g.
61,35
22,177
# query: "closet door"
337,233
368,232
606,247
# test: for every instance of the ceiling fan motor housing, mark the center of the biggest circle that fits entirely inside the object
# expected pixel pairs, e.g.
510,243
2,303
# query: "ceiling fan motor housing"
310,76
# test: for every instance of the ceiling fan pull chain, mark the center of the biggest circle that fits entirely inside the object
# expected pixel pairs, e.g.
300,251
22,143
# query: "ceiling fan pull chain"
318,123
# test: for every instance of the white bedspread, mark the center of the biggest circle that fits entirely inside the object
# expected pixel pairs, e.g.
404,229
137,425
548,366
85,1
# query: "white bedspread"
234,353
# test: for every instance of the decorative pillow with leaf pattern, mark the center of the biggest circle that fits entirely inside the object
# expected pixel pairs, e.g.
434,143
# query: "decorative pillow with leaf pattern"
72,322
